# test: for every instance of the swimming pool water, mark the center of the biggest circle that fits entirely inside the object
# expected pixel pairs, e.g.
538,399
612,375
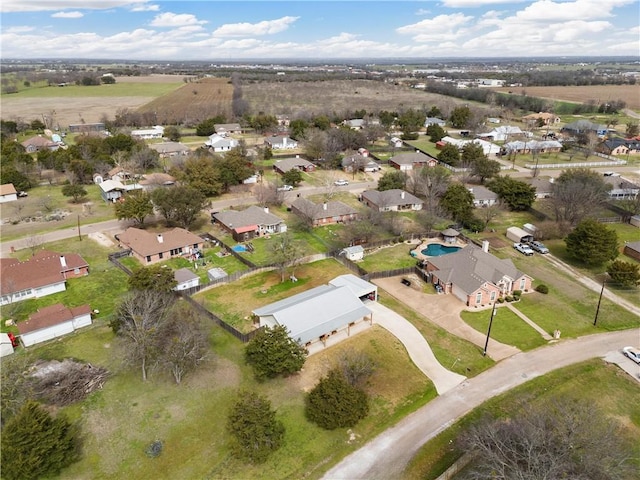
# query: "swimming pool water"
239,248
436,250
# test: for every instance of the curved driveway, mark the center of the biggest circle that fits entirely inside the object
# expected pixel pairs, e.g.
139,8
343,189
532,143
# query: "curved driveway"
387,455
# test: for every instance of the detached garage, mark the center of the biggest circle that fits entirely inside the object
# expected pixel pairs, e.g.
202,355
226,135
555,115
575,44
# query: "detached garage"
52,322
519,235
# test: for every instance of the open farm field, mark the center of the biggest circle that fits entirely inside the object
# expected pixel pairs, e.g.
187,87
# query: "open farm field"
327,97
582,94
193,102
74,104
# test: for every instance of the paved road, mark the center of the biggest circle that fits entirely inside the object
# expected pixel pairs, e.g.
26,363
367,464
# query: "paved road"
417,347
387,455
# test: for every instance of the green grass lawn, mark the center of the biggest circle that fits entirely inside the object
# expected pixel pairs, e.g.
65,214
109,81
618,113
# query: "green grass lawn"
389,258
102,288
507,328
125,89
602,384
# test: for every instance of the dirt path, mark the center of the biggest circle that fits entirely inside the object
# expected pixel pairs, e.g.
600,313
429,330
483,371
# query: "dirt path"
444,311
387,455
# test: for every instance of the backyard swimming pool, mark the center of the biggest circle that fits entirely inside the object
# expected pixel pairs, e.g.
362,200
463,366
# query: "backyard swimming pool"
239,248
437,249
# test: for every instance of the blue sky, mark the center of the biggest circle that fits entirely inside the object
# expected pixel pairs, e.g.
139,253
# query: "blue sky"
236,30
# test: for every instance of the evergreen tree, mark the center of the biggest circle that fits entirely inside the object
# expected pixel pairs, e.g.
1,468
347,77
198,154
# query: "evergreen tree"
335,403
450,154
36,445
593,243
272,352
457,201
391,180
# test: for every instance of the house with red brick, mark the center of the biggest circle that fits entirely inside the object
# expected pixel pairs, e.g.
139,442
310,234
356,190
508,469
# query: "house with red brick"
394,200
43,274
405,162
326,213
53,322
252,222
476,277
153,247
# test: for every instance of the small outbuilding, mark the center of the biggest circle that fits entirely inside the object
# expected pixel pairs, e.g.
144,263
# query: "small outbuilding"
450,235
632,249
216,274
52,322
354,253
518,235
6,345
185,279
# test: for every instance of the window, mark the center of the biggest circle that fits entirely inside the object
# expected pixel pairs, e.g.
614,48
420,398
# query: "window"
161,255
493,296
479,297
148,258
522,283
76,271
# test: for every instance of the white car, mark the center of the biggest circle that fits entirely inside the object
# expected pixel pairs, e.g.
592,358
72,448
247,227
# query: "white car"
340,183
524,249
632,353
285,188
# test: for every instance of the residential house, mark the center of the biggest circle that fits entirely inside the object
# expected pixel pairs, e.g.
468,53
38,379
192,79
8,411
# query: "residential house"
528,146
315,315
490,82
545,117
619,146
408,161
394,200
476,277
157,131
8,193
218,143
150,248
43,274
622,188
503,133
355,123
226,129
52,322
580,127
6,344
157,179
249,223
434,121
356,162
170,149
396,142
543,185
488,148
185,279
286,164
482,196
280,142
114,190
323,214
283,120
632,249
37,143
363,151
87,127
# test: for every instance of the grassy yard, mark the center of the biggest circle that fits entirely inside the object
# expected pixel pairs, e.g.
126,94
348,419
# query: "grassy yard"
151,89
102,288
234,302
389,258
602,384
48,201
119,421
507,328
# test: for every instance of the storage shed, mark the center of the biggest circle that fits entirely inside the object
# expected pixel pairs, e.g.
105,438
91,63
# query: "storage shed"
632,249
185,279
353,253
6,347
518,235
52,322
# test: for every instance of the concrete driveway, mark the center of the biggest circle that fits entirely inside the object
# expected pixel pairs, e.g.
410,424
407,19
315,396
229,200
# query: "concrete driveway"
417,347
444,311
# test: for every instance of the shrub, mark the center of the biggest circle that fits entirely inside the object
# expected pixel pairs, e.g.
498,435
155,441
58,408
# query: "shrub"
509,298
501,300
334,403
517,293
272,353
542,288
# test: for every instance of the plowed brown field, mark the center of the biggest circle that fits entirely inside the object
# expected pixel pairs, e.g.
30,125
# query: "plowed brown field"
598,93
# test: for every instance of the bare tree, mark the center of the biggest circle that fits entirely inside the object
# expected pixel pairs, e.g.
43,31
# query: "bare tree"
285,253
576,193
268,194
487,213
34,242
140,320
562,438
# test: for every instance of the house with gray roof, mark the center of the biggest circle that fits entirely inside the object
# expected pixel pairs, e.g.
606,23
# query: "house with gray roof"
621,188
316,314
394,200
280,142
476,277
543,185
252,222
584,126
539,146
226,129
327,213
434,121
286,164
482,196
170,149
218,143
407,161
358,162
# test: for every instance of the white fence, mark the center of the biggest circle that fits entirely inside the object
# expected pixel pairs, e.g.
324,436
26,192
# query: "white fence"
576,165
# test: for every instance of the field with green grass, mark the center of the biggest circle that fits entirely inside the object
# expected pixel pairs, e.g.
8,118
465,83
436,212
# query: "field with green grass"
102,288
389,258
506,328
120,89
604,385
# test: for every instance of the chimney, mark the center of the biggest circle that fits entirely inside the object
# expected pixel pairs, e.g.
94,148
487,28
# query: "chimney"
160,239
324,206
63,261
402,194
266,209
485,246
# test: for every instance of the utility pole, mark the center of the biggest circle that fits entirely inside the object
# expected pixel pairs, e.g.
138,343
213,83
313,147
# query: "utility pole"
486,343
595,320
79,236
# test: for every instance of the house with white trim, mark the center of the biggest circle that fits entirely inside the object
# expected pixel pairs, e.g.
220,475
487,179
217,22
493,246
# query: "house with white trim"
8,193
218,143
157,131
52,322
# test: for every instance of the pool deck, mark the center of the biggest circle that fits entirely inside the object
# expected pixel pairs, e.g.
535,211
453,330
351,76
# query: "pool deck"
417,252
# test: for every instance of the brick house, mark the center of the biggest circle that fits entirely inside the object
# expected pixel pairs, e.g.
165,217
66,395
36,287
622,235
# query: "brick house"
326,213
150,248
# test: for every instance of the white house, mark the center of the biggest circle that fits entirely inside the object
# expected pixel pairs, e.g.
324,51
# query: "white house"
482,196
52,322
156,131
488,148
8,193
354,253
185,279
218,143
503,133
281,142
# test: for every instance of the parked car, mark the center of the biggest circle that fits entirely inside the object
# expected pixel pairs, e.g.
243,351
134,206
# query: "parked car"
538,247
340,183
524,249
285,188
22,193
632,353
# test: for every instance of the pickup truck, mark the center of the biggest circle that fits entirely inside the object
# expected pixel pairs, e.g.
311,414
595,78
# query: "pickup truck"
524,249
538,247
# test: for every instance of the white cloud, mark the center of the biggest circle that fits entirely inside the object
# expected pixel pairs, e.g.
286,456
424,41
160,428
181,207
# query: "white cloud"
475,3
266,27
145,8
48,5
552,11
421,11
169,19
440,28
20,29
75,14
